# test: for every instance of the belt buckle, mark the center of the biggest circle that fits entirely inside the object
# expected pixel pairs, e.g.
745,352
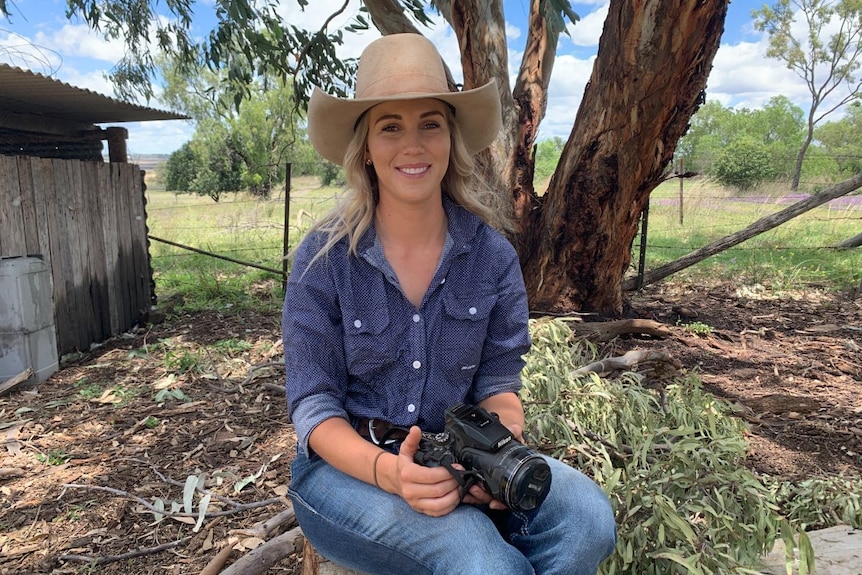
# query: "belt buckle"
373,435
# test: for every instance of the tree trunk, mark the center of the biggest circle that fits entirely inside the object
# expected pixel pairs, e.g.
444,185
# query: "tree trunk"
652,65
648,79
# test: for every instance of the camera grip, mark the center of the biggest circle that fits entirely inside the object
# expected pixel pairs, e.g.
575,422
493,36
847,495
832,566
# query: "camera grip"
431,454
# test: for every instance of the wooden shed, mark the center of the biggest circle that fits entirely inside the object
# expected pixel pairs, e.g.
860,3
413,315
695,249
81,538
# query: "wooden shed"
60,200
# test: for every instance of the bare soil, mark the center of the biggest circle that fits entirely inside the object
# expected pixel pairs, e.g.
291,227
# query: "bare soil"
80,448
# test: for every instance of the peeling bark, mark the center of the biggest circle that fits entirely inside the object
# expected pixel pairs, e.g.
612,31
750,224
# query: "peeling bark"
648,79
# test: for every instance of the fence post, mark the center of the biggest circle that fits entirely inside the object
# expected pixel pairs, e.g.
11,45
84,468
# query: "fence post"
642,258
680,172
286,246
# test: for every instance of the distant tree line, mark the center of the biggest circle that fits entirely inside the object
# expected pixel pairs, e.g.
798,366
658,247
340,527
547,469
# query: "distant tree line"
742,148
238,145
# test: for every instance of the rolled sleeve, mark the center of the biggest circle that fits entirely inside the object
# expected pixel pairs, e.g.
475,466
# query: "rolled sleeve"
315,372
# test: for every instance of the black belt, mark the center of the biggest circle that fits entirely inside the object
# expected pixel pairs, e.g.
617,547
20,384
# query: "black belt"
381,432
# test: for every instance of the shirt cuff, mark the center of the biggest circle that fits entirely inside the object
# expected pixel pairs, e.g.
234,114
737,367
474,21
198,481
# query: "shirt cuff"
311,412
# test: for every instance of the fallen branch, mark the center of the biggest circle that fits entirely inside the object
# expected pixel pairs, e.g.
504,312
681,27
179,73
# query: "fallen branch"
130,555
261,558
216,563
608,330
626,361
265,529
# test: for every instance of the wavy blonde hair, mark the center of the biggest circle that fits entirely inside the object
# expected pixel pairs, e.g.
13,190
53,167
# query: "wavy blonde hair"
354,211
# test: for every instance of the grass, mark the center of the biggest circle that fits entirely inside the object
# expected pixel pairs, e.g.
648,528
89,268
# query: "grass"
239,227
796,254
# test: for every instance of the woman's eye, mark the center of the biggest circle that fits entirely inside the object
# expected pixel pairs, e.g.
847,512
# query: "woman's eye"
431,125
389,128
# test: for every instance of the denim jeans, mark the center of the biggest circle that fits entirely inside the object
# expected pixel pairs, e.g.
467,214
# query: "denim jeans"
369,530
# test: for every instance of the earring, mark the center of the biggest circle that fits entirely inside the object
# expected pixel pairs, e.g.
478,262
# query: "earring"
368,162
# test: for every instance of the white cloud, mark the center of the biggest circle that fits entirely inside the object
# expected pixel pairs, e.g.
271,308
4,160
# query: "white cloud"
587,30
157,137
564,95
742,76
77,40
512,32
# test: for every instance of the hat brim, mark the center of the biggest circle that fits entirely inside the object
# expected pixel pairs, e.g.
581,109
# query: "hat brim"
331,120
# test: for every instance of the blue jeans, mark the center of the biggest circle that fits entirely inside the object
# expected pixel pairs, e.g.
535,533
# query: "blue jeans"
369,530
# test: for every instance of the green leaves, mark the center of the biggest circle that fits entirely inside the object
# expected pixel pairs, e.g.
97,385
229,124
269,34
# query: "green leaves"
674,469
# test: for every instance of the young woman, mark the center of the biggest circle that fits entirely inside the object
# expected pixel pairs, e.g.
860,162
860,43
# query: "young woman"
401,302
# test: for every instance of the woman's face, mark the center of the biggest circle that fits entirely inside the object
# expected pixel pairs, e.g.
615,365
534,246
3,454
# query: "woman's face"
409,143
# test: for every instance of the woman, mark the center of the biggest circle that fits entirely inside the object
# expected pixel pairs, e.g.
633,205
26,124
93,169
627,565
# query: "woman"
402,302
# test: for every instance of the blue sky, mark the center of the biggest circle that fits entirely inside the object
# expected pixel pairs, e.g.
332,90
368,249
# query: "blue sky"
40,38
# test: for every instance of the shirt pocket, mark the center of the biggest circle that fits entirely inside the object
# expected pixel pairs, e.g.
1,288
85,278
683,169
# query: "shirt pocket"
464,330
369,346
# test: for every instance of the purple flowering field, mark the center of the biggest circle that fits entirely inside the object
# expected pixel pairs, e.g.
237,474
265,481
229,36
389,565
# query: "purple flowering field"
846,202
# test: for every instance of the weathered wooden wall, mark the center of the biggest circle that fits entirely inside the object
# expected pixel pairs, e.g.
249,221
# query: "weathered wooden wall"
87,220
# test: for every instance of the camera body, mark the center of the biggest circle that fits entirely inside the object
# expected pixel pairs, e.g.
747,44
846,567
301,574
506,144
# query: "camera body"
474,438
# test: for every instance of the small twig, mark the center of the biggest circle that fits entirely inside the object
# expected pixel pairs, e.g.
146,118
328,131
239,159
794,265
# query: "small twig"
265,529
250,377
124,556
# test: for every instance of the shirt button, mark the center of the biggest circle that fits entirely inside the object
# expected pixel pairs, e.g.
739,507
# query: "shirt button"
417,364
411,408
443,281
472,311
416,318
357,324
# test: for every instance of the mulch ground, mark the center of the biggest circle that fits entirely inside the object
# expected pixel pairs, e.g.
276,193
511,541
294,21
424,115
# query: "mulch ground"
87,450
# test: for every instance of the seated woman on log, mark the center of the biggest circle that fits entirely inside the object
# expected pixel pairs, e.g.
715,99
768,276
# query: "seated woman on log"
401,302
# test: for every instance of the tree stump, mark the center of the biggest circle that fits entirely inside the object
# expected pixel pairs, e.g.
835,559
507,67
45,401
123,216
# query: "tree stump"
313,563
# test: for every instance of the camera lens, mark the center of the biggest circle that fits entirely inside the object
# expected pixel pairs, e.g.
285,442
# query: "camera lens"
515,475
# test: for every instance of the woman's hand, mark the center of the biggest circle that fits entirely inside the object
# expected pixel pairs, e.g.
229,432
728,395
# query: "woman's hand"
429,490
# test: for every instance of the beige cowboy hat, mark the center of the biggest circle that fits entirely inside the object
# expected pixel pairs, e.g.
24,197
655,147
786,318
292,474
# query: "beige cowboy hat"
401,67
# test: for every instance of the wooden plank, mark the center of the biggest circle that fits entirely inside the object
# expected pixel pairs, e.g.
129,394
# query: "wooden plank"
28,206
78,251
55,208
67,254
40,195
96,253
108,211
124,241
138,216
12,242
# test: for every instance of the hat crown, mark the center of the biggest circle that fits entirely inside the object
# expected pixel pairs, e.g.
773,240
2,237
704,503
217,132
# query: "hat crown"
400,64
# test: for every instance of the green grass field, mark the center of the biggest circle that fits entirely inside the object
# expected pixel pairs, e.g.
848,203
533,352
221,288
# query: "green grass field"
797,253
794,255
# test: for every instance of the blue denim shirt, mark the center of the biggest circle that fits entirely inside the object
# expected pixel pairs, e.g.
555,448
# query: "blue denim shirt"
356,348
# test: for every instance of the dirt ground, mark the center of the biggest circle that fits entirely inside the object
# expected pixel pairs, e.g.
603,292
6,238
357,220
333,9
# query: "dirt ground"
84,452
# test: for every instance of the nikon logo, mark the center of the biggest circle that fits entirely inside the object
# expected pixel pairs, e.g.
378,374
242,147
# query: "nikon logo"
502,442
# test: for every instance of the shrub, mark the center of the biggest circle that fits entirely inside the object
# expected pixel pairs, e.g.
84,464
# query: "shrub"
743,164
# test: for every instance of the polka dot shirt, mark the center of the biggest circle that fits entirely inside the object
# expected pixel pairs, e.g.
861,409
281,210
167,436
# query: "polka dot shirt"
356,348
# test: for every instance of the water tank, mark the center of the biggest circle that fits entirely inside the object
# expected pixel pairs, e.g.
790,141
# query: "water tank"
28,338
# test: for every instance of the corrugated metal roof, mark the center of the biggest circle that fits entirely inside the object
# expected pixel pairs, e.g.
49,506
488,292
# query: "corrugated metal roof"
25,92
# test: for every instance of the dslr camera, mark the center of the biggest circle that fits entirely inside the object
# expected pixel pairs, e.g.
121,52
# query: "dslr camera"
490,455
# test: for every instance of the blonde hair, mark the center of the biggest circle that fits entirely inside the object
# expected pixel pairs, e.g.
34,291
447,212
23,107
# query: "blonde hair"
354,211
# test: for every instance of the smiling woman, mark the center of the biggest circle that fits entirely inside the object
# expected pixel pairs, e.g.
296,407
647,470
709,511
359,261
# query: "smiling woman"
403,302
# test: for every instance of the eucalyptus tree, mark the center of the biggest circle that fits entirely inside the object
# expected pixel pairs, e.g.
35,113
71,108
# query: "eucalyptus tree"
821,42
574,240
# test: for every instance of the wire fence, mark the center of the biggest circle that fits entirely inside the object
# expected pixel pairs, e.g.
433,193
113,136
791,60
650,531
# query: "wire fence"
258,232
